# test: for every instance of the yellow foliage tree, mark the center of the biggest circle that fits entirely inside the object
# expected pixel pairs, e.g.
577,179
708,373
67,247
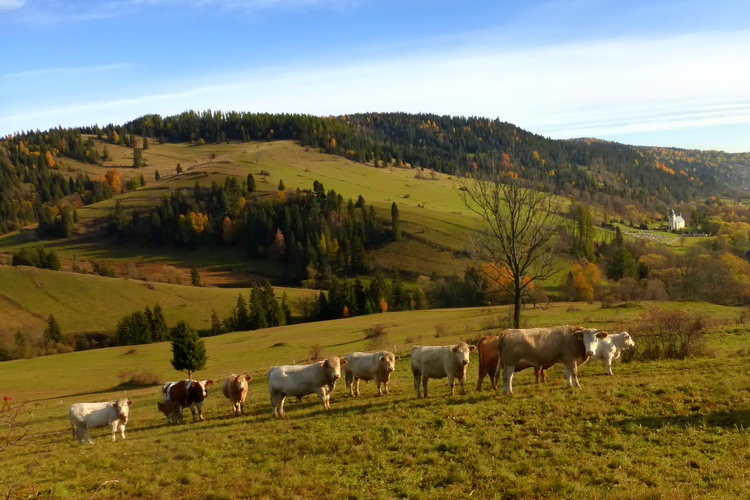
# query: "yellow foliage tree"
112,177
198,221
50,159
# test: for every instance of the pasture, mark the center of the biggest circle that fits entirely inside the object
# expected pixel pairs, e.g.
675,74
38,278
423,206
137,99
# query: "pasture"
673,429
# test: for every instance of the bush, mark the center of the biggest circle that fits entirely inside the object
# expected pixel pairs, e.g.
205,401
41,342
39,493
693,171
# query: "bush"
139,378
672,334
442,330
375,331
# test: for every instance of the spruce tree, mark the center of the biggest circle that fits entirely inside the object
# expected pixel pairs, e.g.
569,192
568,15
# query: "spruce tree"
395,222
188,349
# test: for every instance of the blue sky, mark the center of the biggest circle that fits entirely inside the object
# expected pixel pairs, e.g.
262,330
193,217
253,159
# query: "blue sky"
656,72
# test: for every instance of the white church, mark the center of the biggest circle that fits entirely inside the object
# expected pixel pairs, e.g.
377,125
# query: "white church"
675,221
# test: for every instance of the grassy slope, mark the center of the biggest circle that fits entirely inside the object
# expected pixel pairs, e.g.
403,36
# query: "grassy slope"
675,429
86,303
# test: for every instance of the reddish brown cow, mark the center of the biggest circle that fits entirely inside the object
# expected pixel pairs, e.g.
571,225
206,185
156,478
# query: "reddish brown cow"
487,349
189,393
172,410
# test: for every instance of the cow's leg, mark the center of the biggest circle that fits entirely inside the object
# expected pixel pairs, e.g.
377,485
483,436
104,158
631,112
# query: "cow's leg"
321,392
424,384
537,373
122,431
508,379
356,386
608,365
543,374
461,383
86,434
280,407
451,384
417,377
78,433
349,383
482,373
113,426
274,405
493,379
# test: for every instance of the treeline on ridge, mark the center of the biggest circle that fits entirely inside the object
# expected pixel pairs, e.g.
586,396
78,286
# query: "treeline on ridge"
654,177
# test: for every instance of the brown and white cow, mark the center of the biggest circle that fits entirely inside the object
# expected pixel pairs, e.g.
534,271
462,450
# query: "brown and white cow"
189,393
235,388
85,415
568,345
363,366
439,362
301,380
487,351
171,410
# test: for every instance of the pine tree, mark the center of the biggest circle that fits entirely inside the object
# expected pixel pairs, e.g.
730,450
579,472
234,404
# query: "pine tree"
137,158
188,349
159,329
395,222
53,333
241,315
195,278
250,183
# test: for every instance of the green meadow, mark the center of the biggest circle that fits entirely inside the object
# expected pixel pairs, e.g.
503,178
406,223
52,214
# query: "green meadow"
674,429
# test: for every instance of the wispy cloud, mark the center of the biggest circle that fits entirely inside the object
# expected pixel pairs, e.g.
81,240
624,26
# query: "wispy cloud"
68,70
595,88
6,5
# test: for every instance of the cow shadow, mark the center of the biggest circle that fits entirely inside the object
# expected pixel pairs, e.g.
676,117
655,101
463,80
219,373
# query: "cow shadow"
723,419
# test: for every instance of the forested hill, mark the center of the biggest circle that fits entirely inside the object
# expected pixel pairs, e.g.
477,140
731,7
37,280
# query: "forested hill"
604,171
456,145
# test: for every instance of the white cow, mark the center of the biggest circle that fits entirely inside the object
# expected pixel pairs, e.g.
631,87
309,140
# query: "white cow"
610,348
301,380
439,362
569,345
85,415
363,366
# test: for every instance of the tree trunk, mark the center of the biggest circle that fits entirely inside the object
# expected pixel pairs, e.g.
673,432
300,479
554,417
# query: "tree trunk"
517,308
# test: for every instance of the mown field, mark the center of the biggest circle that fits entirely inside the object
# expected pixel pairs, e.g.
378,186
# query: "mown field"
89,303
670,429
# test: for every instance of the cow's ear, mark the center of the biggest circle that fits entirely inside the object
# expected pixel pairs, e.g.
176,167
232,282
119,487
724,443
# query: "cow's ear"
194,384
600,334
113,404
382,358
248,377
232,379
453,348
343,362
396,358
578,334
209,382
472,348
129,402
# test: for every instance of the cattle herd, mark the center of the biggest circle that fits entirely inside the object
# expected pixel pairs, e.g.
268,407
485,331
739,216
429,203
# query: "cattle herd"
504,354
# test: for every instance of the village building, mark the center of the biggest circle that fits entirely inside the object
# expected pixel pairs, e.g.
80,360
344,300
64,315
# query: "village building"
676,222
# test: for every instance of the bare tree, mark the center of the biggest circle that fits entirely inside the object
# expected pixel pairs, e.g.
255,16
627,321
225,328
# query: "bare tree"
517,231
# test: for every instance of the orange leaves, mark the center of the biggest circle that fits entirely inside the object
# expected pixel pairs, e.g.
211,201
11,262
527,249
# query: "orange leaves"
198,221
50,159
112,177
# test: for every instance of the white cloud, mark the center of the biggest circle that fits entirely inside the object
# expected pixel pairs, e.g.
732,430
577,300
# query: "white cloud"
6,5
594,88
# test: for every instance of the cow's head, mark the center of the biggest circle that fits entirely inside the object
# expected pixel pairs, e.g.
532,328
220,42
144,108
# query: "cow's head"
239,382
200,386
332,367
461,352
388,361
123,409
627,340
590,338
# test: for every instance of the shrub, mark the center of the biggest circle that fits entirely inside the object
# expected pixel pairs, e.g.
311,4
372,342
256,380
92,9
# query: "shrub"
137,378
442,330
316,352
375,331
672,334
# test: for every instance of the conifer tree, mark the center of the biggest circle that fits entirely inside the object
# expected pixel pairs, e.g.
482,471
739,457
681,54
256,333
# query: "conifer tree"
188,349
395,222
